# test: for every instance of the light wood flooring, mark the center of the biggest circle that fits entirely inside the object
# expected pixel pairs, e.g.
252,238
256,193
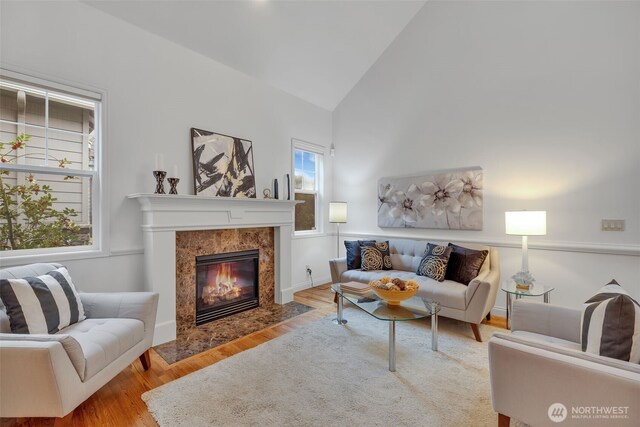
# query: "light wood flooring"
118,403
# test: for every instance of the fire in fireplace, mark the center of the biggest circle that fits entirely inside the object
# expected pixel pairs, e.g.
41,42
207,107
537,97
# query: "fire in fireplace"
226,284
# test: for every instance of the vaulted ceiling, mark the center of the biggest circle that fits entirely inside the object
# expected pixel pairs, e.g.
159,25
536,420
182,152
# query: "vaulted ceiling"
315,50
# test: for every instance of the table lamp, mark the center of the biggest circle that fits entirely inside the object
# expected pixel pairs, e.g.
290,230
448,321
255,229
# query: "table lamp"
338,215
525,223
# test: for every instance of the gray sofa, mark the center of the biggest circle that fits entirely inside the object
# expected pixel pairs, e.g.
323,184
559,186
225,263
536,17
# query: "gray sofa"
541,363
470,303
45,375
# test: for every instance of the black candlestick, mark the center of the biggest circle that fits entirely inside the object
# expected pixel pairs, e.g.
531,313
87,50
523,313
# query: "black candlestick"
159,181
288,187
173,182
275,189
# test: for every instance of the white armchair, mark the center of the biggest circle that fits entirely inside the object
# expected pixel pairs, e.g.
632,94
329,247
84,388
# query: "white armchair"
541,364
50,375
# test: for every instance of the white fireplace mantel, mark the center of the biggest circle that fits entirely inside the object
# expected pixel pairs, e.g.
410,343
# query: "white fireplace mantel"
163,215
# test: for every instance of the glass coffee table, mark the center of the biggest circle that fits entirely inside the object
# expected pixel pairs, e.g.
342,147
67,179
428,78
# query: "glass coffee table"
414,308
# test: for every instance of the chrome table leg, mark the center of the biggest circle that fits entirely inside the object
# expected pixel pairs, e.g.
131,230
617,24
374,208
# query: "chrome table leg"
392,346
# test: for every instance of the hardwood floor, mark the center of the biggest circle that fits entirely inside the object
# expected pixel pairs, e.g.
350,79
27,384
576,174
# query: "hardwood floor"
118,403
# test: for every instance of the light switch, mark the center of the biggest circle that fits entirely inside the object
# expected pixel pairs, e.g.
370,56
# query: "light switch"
613,225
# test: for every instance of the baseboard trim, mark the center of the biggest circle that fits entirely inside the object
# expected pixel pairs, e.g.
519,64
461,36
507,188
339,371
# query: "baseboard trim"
164,332
307,284
499,311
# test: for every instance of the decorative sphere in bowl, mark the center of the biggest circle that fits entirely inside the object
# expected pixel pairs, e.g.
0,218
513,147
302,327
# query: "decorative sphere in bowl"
394,291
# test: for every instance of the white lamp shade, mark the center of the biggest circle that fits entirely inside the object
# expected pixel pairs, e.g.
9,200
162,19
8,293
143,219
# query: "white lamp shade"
526,223
338,212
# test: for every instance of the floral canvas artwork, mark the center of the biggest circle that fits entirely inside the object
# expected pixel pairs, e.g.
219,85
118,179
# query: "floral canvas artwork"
449,200
222,165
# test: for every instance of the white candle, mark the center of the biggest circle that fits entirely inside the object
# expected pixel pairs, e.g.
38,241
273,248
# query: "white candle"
175,171
159,162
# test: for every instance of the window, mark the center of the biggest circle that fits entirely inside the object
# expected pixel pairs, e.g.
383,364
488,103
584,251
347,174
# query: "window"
307,186
49,174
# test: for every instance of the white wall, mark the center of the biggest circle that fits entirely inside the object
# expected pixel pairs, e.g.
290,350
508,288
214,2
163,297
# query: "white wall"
544,96
156,91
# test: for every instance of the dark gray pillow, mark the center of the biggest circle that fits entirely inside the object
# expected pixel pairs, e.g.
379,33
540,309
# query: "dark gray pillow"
434,262
354,256
464,264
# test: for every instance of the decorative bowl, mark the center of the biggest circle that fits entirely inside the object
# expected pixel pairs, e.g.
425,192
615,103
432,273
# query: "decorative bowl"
394,291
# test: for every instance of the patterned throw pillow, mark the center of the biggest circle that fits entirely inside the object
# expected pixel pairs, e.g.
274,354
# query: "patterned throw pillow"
610,324
434,262
464,264
376,257
43,304
354,256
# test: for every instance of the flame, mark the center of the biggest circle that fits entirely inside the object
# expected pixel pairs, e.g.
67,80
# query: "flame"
221,285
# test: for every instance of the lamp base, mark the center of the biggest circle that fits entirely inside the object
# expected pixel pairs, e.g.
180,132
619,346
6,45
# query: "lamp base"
523,279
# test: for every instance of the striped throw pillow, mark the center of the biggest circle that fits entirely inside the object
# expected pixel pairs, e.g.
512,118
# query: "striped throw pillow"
611,324
43,304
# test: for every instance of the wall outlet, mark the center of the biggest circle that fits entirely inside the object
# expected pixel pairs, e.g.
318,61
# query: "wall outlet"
309,272
613,225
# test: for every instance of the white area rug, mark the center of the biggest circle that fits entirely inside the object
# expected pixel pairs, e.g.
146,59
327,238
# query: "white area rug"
327,375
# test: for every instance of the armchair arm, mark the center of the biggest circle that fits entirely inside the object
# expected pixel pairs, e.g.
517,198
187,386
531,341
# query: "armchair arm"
546,319
527,379
37,379
70,345
337,266
130,305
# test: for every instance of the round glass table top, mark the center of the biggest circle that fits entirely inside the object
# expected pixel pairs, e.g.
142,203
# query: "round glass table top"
535,290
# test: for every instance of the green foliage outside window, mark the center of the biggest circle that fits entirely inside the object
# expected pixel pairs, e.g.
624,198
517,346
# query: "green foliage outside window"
28,219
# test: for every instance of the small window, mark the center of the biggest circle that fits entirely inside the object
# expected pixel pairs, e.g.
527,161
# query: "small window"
49,177
307,186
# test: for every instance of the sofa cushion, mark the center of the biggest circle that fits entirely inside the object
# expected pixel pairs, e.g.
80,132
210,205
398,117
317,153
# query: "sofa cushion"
611,324
464,263
448,293
376,256
42,304
354,256
104,340
434,263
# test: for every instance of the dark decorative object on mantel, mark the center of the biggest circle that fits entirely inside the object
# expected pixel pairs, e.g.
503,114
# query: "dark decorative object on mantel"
159,181
275,189
288,187
173,182
222,165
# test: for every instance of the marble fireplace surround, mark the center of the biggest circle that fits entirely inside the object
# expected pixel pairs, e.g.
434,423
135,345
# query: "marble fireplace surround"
164,215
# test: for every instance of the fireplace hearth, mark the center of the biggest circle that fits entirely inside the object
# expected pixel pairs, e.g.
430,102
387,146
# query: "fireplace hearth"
226,284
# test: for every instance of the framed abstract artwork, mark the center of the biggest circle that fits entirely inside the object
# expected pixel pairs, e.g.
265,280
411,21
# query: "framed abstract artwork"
222,165
450,199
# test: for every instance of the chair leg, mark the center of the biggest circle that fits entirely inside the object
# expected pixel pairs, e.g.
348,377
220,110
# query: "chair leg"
145,359
64,421
503,420
476,331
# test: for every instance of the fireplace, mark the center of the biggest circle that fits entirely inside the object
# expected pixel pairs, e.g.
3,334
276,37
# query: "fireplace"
226,284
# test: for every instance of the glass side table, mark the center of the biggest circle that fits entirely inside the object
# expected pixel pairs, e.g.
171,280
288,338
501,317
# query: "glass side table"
509,287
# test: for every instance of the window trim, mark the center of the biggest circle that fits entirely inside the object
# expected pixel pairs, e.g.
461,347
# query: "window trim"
99,194
320,151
